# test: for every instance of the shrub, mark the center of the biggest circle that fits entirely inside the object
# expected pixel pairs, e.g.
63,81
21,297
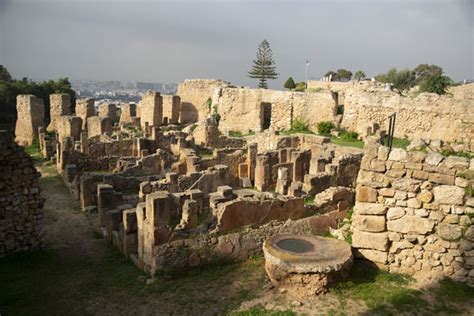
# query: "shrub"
300,87
289,83
349,135
324,128
299,126
436,84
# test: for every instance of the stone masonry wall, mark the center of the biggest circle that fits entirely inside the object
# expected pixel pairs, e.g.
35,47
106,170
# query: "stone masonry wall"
241,109
60,104
194,94
20,199
413,212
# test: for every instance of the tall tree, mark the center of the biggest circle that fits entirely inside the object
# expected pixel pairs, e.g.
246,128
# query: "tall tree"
263,66
359,75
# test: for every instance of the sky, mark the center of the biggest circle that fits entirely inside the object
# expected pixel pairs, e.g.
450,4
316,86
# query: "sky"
169,41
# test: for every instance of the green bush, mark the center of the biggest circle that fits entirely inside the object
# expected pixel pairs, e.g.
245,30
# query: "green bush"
436,84
299,126
289,83
324,128
349,135
300,87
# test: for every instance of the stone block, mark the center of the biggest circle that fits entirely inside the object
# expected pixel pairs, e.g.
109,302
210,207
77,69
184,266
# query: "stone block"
448,194
377,241
434,158
366,194
370,209
411,224
449,232
441,178
371,255
408,185
398,154
369,223
387,192
30,117
394,213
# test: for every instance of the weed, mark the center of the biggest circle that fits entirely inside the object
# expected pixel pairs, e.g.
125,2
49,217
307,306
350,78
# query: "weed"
324,128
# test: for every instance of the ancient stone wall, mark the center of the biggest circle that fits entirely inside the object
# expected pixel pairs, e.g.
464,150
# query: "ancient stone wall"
244,109
428,115
30,113
194,95
128,113
413,212
60,104
20,199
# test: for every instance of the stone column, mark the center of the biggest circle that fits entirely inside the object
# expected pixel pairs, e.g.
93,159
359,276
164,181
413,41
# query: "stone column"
262,173
60,105
85,109
30,113
151,109
251,159
108,110
283,181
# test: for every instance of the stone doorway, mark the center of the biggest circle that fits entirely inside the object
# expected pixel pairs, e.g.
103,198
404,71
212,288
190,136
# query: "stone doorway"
265,115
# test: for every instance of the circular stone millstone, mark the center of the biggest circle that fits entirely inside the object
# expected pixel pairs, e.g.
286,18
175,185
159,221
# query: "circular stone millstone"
310,262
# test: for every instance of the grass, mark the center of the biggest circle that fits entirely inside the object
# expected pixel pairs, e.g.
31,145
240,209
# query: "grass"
347,142
398,142
34,151
464,154
259,310
381,291
39,282
308,200
298,126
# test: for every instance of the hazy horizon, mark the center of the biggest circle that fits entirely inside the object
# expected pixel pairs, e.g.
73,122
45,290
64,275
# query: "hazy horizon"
169,41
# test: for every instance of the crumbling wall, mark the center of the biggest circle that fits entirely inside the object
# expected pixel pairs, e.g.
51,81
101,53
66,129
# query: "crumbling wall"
21,203
413,212
428,115
85,109
244,109
194,94
30,117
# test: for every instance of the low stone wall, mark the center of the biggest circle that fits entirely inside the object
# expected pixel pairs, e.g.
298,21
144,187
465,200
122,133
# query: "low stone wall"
21,203
413,213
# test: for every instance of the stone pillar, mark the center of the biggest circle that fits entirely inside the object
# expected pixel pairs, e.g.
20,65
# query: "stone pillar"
69,126
251,159
99,125
171,105
283,181
30,113
301,160
84,143
262,173
105,201
60,105
128,113
189,218
108,110
193,164
151,109
85,109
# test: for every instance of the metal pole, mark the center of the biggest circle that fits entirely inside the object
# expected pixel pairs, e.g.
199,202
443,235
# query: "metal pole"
306,75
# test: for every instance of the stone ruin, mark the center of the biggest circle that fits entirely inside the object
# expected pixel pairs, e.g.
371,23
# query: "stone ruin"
172,190
20,198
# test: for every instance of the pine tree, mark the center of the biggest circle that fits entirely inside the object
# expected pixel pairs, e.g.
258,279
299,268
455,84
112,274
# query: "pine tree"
264,66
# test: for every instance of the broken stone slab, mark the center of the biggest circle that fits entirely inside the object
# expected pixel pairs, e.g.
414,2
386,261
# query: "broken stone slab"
377,241
448,194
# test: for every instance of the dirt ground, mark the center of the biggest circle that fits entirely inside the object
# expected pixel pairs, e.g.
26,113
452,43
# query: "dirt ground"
79,273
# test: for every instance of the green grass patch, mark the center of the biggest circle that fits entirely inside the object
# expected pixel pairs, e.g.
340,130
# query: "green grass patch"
398,142
464,154
347,142
381,291
259,310
308,200
34,151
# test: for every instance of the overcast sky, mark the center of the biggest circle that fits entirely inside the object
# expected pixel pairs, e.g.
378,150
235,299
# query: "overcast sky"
169,41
